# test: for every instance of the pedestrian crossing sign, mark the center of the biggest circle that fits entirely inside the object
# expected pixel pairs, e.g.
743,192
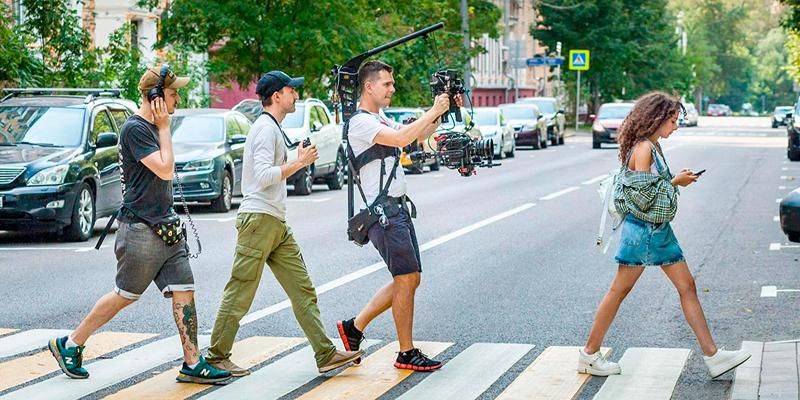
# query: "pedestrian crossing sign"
579,60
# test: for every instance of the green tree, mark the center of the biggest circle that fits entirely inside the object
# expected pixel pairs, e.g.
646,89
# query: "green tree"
247,38
632,42
18,66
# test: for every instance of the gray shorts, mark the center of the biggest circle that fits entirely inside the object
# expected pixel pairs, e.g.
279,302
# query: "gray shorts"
143,258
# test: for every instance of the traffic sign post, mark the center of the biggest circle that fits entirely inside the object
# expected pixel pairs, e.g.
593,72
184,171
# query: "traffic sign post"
578,61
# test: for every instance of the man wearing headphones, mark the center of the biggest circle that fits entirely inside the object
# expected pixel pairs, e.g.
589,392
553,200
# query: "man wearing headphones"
147,166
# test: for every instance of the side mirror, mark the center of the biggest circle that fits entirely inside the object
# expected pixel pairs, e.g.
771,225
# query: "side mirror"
237,139
540,117
788,116
107,139
591,118
562,111
316,126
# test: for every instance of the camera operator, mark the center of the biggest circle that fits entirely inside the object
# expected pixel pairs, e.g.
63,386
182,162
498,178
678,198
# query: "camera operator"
375,142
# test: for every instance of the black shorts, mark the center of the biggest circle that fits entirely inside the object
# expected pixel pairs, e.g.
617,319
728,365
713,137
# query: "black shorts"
397,244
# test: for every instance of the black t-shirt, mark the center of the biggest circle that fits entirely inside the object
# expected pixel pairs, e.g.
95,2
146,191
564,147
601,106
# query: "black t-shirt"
144,194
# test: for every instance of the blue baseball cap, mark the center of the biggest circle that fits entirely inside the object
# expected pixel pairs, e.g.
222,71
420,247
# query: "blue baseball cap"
274,81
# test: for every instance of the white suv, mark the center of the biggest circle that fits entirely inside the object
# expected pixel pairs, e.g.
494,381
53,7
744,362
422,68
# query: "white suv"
311,119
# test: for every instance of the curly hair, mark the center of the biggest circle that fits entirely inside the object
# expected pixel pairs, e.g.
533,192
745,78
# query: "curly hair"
648,114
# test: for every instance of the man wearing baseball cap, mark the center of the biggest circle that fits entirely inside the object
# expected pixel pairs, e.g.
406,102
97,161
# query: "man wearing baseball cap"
147,165
264,237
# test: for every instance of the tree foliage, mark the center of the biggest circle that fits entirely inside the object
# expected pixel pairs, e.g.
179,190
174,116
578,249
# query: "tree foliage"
247,37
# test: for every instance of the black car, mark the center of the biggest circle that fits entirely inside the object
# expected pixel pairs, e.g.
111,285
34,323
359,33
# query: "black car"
790,215
779,116
59,167
209,146
793,133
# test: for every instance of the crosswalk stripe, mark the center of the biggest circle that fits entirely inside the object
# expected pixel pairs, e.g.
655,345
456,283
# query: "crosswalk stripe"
24,369
647,373
105,373
748,375
470,373
246,354
6,331
276,379
779,369
374,377
553,375
28,340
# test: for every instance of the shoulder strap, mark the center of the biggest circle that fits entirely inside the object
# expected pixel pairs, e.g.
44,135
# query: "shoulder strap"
375,152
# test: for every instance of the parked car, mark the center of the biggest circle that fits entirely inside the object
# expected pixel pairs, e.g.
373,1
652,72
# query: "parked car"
718,110
553,113
311,119
528,124
406,116
793,133
691,117
59,164
493,126
779,116
790,215
607,122
209,146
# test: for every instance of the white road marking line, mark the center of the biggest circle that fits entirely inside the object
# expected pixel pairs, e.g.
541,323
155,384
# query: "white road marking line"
560,193
595,179
28,340
267,311
470,373
781,187
784,169
776,219
772,291
787,178
778,200
774,246
278,378
107,372
649,374
306,200
748,375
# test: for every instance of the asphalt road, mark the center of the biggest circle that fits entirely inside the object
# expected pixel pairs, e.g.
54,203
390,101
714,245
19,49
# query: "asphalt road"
508,257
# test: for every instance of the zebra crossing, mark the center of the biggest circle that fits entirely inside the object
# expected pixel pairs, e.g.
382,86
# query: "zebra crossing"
284,366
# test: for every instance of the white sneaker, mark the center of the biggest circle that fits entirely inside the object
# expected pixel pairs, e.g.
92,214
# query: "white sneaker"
596,364
725,361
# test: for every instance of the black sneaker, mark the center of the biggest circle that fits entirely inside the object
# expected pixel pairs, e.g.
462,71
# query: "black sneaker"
416,361
351,337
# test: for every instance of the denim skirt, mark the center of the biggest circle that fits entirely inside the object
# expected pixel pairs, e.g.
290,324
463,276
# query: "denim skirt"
643,243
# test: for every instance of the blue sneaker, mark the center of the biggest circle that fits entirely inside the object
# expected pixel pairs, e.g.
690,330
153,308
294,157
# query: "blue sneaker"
69,358
203,373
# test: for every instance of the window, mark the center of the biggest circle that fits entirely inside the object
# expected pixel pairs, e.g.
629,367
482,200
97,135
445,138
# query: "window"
120,116
313,117
244,124
101,124
323,116
232,127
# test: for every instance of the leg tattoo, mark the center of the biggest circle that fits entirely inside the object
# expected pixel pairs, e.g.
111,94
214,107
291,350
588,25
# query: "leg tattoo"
186,319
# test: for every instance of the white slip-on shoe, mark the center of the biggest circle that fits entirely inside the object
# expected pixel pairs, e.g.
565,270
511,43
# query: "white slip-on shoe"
596,364
725,361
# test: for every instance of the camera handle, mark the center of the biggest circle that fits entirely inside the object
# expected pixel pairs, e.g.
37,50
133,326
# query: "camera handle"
454,109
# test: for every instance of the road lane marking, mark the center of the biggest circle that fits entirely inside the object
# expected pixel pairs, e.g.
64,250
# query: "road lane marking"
559,193
648,373
246,353
470,373
267,311
307,200
778,200
24,369
276,379
552,376
779,246
772,291
375,376
108,372
595,179
5,331
748,375
26,341
781,187
776,219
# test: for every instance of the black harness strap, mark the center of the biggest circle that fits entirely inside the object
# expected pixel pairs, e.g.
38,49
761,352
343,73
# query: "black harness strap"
375,152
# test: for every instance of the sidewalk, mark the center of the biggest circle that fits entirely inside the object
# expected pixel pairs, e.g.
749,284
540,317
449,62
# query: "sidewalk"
771,374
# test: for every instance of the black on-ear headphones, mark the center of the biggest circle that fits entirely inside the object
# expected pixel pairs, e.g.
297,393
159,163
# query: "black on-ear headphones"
158,90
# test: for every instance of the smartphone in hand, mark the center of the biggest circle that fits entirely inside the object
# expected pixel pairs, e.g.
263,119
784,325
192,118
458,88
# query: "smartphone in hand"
698,173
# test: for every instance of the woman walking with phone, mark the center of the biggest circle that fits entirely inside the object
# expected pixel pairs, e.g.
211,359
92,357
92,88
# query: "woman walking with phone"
646,193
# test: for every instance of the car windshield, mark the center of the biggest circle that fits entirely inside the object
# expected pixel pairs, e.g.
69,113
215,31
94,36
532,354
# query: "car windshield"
485,117
44,126
251,109
715,107
783,110
614,112
518,113
295,119
197,129
545,106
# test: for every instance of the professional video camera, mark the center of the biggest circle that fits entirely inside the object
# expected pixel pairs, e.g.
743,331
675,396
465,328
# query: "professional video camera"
456,150
448,81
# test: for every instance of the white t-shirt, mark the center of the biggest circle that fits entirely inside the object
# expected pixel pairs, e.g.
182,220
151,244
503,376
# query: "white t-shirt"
363,129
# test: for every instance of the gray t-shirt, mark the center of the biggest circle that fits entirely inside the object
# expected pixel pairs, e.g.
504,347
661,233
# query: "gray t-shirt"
363,129
262,187
143,193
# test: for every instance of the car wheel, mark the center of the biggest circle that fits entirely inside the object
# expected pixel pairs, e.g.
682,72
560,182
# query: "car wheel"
224,202
595,145
536,144
774,125
335,180
544,142
83,216
304,184
561,137
501,154
554,140
511,154
794,155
